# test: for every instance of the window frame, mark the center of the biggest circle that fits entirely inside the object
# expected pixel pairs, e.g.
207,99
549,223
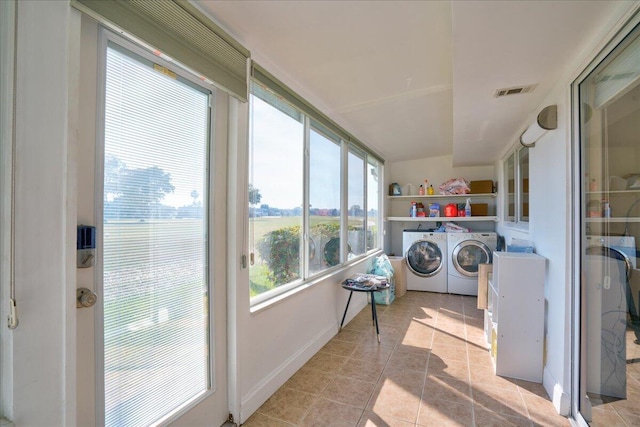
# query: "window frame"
332,137
105,37
311,122
518,219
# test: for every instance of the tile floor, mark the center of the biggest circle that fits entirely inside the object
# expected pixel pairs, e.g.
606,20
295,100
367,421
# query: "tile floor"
612,412
431,369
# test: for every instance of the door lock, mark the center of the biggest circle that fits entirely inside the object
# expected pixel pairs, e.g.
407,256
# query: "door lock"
85,297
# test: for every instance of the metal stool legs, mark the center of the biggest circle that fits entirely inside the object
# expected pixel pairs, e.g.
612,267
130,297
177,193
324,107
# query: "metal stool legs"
374,314
345,310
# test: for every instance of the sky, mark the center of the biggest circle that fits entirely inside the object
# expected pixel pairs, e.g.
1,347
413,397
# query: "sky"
143,131
278,140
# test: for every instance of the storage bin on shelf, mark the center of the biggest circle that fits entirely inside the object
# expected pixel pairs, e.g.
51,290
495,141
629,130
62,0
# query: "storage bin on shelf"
479,209
481,187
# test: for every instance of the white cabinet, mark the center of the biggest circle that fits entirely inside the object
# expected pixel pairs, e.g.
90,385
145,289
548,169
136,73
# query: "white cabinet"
403,208
514,319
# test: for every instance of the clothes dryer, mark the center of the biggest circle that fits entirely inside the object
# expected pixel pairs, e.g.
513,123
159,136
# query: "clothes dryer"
466,252
425,253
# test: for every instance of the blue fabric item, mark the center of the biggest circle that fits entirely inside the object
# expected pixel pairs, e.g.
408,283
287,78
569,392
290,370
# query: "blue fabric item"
382,267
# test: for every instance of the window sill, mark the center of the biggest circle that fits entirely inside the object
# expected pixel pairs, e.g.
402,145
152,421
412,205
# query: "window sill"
264,305
518,226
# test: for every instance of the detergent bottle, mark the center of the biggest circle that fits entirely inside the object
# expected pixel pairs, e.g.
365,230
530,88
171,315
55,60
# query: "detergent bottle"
467,208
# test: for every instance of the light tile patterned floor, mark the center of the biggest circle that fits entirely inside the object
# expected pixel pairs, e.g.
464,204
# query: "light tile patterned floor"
612,412
431,369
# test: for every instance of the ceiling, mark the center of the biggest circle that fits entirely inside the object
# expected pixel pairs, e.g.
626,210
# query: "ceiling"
415,79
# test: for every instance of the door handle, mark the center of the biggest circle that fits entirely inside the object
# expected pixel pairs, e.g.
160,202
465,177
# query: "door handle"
85,297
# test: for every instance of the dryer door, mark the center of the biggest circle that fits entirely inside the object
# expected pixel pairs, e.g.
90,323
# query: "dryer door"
468,255
424,258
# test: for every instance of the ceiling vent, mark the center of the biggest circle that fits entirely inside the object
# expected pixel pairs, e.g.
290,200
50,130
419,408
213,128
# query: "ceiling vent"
517,90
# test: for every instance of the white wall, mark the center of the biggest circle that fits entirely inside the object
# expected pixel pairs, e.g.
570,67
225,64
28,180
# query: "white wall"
549,229
275,342
267,346
550,201
434,169
42,390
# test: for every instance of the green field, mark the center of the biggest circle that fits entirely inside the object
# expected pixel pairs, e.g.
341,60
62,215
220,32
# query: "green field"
142,257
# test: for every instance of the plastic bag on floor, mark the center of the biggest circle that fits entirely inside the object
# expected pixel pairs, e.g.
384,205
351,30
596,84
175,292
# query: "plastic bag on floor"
382,267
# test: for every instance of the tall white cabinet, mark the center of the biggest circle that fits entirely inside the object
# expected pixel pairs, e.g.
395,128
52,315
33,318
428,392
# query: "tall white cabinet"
514,319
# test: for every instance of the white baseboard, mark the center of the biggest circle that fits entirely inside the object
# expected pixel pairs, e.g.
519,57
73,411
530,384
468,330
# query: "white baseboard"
561,400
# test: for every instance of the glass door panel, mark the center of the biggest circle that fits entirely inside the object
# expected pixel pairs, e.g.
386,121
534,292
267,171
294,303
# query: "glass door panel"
155,234
609,99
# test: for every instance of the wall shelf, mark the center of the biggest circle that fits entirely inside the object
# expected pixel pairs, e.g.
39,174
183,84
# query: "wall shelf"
599,193
452,198
442,218
444,196
623,220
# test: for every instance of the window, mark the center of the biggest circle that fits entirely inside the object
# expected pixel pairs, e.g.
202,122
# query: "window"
275,193
373,202
304,220
356,201
155,262
516,176
523,184
324,201
509,177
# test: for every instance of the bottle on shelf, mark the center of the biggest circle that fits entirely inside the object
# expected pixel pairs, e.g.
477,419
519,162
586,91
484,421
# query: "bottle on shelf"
421,190
413,213
430,190
593,185
467,208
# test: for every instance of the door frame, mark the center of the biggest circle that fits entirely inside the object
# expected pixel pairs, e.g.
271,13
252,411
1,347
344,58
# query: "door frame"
620,32
193,411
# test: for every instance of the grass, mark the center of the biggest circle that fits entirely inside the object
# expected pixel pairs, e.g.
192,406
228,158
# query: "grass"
134,264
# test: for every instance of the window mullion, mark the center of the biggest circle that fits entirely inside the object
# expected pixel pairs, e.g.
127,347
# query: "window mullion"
344,201
365,223
306,220
518,178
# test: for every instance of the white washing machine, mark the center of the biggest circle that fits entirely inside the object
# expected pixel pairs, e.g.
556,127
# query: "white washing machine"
622,248
466,252
625,245
608,265
425,254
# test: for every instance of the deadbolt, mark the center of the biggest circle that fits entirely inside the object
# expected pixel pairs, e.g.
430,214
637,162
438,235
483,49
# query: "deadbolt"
85,297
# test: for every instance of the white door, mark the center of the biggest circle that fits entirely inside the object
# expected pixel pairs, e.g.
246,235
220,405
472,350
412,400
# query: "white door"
152,350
